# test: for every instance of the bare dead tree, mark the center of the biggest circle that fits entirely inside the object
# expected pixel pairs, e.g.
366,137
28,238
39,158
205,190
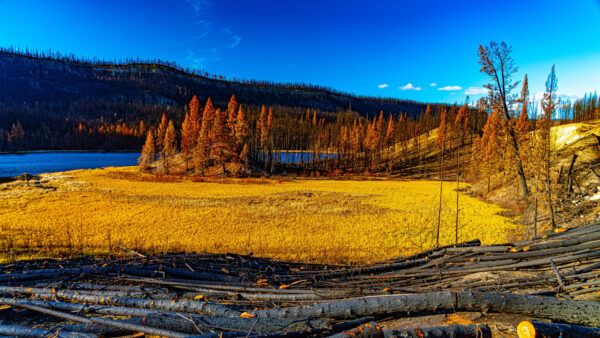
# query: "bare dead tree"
496,62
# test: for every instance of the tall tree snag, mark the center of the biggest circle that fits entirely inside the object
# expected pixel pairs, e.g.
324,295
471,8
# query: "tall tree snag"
498,64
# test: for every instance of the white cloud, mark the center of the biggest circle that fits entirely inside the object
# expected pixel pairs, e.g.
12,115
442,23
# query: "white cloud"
433,84
383,85
200,5
236,38
476,91
450,88
409,86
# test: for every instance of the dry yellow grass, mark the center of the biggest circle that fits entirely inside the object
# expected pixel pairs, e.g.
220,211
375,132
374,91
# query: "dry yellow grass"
334,221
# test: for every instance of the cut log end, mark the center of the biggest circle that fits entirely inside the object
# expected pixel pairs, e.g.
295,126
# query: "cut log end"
526,329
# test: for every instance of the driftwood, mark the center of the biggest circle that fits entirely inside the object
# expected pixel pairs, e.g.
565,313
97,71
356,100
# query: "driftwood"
535,329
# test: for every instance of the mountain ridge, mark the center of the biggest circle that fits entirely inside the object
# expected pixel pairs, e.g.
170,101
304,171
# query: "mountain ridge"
48,79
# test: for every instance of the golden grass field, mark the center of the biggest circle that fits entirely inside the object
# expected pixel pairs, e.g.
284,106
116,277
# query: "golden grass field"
333,221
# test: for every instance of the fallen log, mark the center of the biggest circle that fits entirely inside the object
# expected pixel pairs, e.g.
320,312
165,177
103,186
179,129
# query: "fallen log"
571,311
172,320
535,329
106,322
103,294
367,330
21,331
50,273
192,306
454,331
584,291
593,236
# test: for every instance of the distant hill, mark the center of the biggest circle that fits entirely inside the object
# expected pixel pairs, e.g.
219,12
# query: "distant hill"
51,101
52,81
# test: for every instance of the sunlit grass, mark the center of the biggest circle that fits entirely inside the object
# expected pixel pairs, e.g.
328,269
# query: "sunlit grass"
334,221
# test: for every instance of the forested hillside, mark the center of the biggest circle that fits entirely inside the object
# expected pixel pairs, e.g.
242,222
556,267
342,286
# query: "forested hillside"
48,101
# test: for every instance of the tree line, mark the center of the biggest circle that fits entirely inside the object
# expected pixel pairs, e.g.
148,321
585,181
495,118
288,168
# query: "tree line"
327,142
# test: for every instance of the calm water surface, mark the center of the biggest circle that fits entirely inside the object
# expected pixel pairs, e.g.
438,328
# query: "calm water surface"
37,163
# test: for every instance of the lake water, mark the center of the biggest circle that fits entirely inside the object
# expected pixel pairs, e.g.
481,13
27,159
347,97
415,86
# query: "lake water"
37,163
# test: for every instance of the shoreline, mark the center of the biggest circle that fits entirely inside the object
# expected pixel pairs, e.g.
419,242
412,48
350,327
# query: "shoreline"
25,152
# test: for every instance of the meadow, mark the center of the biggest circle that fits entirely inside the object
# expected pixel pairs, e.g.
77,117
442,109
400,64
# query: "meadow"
313,220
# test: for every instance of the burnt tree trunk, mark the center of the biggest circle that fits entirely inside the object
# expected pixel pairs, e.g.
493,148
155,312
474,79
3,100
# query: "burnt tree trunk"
454,331
551,330
572,311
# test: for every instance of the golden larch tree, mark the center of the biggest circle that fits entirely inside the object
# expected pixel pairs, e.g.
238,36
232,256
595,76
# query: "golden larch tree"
232,110
160,133
241,129
190,127
220,150
148,152
168,145
371,141
391,131
426,123
202,149
245,155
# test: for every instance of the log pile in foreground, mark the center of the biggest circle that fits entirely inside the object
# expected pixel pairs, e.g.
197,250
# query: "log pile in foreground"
227,295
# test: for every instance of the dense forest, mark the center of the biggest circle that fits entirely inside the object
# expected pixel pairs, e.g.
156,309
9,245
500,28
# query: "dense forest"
238,133
53,101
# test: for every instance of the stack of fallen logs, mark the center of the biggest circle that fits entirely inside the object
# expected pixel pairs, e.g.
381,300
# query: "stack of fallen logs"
228,295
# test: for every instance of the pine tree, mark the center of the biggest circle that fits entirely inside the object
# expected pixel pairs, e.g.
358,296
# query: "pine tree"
391,131
523,128
194,110
142,129
160,134
270,138
381,130
262,126
208,115
355,142
232,109
186,141
371,141
426,122
168,145
219,150
549,104
270,120
148,152
490,146
203,145
190,127
498,64
245,155
241,128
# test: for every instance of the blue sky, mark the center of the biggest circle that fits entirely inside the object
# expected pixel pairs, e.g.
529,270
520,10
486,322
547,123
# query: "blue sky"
381,48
